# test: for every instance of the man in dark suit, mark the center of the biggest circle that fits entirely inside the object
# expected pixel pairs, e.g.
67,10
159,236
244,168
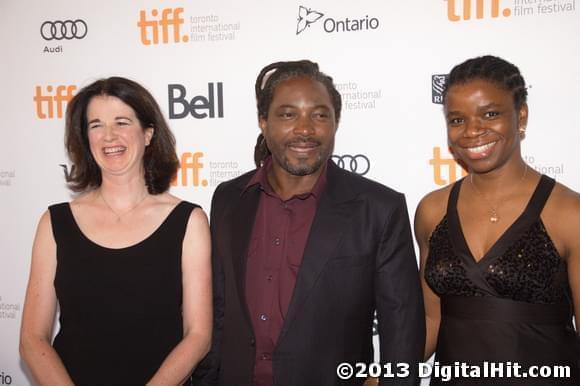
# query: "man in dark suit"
304,254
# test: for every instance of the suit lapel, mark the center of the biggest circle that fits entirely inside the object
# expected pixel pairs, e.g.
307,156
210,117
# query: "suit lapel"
242,220
330,221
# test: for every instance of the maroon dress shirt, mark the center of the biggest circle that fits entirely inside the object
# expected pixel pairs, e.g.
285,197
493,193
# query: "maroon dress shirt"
275,253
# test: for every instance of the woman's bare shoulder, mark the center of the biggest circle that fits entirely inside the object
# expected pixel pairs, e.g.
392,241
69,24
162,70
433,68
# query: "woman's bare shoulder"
563,207
167,199
434,204
564,203
170,201
561,216
430,211
84,199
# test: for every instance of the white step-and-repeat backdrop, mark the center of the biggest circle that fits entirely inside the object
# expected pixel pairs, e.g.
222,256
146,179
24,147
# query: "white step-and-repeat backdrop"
200,60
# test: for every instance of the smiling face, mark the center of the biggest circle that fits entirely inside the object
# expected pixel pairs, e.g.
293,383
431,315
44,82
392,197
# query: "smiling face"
483,125
300,126
116,137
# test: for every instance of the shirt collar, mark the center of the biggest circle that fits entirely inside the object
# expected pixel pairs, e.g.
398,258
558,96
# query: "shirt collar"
260,178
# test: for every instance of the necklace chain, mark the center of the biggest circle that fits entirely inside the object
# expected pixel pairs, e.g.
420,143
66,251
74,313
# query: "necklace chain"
494,216
126,212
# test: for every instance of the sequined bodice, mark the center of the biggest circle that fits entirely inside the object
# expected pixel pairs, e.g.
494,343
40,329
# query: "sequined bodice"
523,265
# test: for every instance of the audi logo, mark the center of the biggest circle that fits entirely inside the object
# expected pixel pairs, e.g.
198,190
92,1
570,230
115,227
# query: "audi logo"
358,164
59,30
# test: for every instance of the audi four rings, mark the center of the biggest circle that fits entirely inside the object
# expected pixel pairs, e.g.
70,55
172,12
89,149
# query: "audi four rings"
59,30
358,164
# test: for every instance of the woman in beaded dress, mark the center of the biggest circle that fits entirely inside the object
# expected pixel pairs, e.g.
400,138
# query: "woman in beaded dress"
127,263
500,249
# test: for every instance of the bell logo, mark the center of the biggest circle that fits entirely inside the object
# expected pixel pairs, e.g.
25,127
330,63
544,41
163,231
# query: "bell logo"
445,167
198,105
54,96
480,9
170,20
190,166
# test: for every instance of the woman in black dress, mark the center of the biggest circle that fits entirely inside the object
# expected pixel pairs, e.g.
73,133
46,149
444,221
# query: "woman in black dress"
500,249
127,262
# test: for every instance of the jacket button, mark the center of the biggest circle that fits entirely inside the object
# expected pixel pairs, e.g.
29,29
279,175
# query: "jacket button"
252,342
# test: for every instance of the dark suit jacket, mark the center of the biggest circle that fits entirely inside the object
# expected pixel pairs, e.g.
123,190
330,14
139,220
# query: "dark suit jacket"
359,258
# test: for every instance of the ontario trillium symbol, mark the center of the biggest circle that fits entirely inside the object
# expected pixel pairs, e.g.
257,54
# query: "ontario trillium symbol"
306,16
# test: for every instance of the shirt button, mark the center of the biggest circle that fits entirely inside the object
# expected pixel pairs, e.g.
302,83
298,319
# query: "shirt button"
263,317
265,356
276,241
269,278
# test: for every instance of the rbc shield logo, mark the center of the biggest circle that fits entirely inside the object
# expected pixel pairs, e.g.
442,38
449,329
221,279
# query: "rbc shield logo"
438,83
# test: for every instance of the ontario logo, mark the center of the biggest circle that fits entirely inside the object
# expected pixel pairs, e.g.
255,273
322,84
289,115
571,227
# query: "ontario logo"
5,378
308,16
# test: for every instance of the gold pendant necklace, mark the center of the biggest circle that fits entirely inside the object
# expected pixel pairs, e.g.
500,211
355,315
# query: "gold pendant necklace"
493,216
125,213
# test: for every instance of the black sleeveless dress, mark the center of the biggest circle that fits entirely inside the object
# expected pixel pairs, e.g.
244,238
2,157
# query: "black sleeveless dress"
514,305
120,309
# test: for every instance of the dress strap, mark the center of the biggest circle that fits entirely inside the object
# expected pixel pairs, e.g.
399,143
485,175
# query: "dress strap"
540,196
178,219
453,197
62,222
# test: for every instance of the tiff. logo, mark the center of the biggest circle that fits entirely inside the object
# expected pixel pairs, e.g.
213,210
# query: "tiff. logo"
190,165
170,21
445,167
481,9
55,98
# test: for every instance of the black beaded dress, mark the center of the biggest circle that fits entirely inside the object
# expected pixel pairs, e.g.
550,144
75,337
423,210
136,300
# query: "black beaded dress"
120,309
514,305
